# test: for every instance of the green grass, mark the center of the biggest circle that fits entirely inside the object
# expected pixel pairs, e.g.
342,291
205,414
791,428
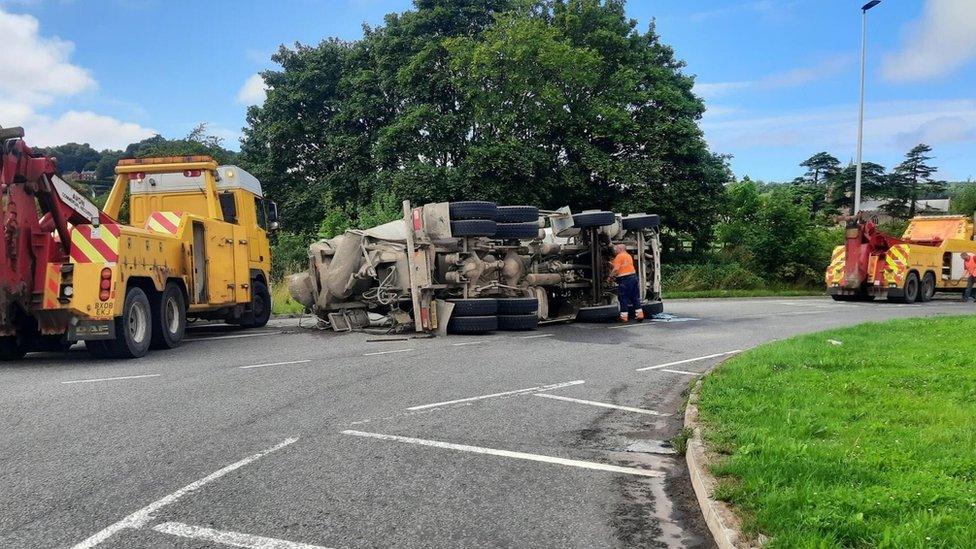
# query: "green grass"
283,303
871,443
739,293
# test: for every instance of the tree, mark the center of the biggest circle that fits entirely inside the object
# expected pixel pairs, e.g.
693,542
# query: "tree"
552,102
197,142
74,157
963,200
912,180
814,187
874,184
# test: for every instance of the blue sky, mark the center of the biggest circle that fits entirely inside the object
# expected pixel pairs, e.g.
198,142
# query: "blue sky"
780,78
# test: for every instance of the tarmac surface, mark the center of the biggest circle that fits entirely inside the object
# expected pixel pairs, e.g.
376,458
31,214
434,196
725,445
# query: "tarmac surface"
291,438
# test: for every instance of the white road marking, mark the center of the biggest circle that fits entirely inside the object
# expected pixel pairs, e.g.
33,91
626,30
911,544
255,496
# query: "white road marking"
388,352
509,454
687,373
479,342
716,355
602,404
235,539
650,320
237,336
144,515
536,336
494,395
110,378
275,364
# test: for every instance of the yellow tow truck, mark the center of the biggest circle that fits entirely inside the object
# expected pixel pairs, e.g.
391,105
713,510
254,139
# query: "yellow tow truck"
195,245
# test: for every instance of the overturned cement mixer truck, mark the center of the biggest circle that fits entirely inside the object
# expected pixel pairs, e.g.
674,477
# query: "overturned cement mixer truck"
473,267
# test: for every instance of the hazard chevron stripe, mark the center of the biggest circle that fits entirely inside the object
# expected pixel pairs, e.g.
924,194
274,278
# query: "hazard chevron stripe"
91,244
164,222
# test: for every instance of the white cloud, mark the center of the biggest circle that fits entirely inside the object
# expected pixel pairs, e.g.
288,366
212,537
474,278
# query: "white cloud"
35,73
35,69
800,76
763,7
944,40
253,92
892,126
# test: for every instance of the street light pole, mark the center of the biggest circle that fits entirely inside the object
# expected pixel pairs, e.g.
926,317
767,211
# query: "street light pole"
860,117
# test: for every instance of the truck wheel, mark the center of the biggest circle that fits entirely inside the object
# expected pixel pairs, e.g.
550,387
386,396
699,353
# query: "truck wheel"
651,309
602,313
593,219
518,323
169,318
518,305
485,306
517,214
260,305
641,221
928,288
473,227
11,349
133,330
911,289
527,230
472,324
473,209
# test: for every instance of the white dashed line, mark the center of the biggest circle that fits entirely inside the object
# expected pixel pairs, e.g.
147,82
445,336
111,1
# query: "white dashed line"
388,352
495,395
235,539
141,517
509,454
480,342
109,378
536,336
602,404
716,355
682,372
274,364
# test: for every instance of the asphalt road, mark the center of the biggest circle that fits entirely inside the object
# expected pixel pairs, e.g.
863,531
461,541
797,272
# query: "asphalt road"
285,438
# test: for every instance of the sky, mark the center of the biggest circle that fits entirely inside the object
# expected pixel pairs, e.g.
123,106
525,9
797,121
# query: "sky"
780,78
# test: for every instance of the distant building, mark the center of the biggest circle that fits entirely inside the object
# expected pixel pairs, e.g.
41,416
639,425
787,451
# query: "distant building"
87,175
71,176
925,206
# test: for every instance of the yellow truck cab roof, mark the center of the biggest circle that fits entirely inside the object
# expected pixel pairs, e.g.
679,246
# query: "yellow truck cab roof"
227,178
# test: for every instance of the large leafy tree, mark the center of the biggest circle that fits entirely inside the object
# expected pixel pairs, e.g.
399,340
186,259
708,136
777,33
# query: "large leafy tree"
814,188
874,184
912,180
548,102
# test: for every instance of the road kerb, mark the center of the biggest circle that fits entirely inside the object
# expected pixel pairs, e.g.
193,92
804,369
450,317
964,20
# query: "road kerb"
725,526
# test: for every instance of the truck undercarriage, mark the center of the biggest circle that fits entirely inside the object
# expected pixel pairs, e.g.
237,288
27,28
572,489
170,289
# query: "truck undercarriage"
468,267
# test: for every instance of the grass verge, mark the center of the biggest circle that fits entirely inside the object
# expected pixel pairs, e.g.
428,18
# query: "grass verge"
870,443
283,304
739,293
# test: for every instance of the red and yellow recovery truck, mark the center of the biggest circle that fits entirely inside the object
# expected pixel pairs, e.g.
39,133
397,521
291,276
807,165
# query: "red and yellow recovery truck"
195,245
926,259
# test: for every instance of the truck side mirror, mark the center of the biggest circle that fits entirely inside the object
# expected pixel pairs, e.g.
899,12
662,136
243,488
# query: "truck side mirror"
273,213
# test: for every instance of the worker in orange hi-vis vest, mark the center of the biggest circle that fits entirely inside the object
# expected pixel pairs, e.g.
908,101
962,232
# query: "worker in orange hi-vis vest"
970,266
628,290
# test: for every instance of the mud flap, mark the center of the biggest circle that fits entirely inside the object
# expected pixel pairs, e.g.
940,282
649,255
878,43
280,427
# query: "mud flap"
91,330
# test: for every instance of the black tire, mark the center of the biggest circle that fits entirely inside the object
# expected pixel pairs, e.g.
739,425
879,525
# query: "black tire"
133,329
473,209
593,219
11,348
485,306
473,227
260,312
910,290
641,221
518,323
169,318
472,324
517,214
928,288
601,313
523,231
517,305
651,309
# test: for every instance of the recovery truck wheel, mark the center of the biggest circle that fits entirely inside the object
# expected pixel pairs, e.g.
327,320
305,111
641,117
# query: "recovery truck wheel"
600,313
133,330
517,214
11,348
260,306
472,209
928,288
481,306
910,290
472,324
518,323
518,305
586,220
169,318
